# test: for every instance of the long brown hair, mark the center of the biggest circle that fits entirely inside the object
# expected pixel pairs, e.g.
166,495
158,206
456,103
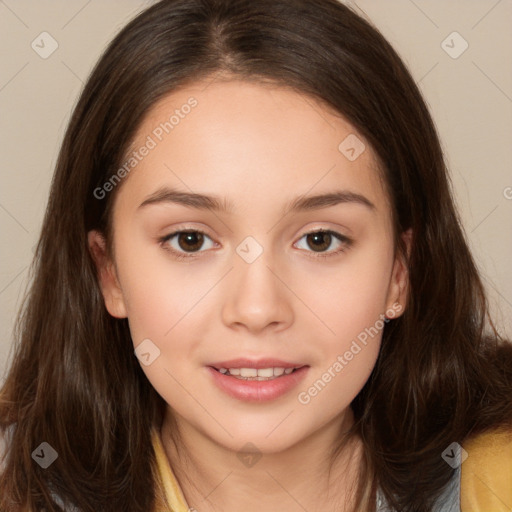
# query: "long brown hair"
443,373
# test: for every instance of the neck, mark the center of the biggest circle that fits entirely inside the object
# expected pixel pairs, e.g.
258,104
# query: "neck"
214,478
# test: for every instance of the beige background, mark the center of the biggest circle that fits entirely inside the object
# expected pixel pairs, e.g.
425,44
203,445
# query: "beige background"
470,98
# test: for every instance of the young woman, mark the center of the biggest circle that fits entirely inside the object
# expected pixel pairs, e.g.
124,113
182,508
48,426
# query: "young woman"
252,290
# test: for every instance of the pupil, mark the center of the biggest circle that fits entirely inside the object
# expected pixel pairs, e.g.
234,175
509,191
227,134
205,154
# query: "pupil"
191,241
318,242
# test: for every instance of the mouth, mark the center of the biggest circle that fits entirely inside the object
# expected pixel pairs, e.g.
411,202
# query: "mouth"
257,381
258,374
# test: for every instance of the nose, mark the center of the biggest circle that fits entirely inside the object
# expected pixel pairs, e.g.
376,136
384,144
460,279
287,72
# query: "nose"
257,297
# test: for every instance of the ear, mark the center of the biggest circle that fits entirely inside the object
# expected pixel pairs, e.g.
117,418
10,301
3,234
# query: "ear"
398,291
107,275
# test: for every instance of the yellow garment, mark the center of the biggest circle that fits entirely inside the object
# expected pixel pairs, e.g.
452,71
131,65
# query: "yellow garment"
172,492
486,475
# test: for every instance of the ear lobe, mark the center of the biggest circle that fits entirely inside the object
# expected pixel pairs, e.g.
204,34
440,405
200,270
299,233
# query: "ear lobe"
107,275
399,286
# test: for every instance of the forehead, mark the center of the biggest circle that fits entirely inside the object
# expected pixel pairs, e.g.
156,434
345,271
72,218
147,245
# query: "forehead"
249,141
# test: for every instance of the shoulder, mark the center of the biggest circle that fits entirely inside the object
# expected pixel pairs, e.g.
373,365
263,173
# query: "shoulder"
486,473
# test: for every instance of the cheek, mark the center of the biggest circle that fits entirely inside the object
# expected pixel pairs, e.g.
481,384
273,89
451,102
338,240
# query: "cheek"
351,306
158,293
333,387
347,355
351,296
169,305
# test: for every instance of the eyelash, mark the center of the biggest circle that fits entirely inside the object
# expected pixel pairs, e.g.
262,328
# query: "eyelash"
184,256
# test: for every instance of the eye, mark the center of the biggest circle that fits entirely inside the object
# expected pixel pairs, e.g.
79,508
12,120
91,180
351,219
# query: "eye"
322,239
187,241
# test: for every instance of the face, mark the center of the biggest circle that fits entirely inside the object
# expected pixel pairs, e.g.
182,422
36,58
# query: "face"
289,266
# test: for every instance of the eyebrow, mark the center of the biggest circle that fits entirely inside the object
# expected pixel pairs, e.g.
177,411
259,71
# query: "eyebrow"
301,203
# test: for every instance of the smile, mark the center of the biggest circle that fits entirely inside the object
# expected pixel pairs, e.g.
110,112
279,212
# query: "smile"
255,373
257,384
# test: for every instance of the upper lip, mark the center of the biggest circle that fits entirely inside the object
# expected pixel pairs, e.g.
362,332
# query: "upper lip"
255,363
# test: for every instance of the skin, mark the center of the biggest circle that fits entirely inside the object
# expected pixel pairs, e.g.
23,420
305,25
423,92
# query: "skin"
259,146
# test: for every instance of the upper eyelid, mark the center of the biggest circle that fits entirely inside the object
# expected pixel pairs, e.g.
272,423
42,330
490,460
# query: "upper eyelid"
181,229
308,232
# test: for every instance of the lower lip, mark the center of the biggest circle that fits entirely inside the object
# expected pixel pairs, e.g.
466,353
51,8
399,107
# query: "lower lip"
258,390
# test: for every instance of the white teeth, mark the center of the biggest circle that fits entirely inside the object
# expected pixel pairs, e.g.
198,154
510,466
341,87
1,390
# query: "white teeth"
256,374
248,372
266,372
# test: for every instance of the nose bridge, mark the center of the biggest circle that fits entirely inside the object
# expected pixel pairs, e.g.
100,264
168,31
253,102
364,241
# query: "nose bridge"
255,296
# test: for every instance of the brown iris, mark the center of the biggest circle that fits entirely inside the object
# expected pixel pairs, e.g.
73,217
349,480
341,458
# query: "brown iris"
190,241
320,240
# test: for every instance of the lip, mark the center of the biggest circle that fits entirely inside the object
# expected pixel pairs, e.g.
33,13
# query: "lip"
259,364
257,390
